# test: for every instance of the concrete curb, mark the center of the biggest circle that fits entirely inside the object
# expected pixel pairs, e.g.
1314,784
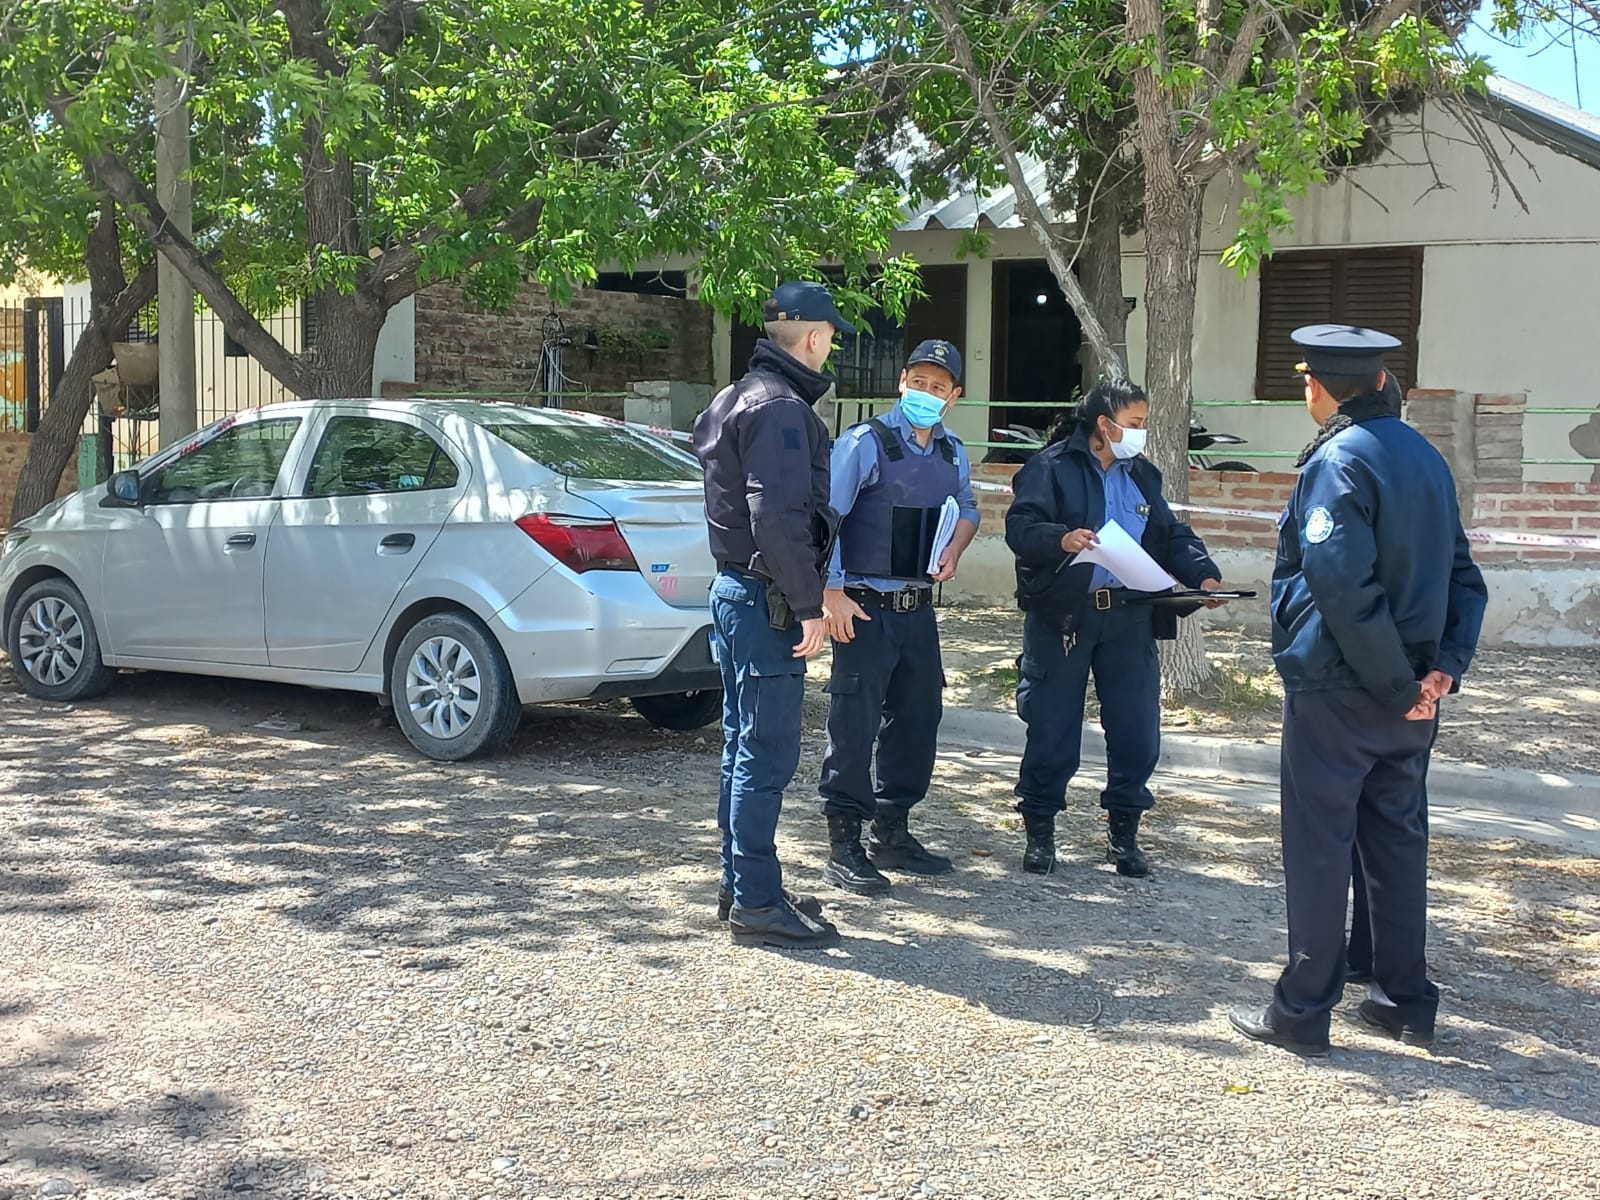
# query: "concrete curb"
1571,799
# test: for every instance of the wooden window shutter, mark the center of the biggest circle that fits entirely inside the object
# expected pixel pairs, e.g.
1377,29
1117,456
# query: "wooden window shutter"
1379,289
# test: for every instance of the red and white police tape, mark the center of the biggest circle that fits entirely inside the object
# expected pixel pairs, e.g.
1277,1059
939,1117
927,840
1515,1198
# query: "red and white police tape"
1502,537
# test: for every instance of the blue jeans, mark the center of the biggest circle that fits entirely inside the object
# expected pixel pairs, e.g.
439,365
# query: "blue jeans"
1118,646
763,686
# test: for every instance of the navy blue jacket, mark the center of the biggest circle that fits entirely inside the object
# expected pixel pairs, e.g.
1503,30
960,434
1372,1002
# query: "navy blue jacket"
1060,489
1374,584
765,453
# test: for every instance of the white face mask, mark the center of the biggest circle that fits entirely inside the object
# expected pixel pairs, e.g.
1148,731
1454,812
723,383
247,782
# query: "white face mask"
1132,443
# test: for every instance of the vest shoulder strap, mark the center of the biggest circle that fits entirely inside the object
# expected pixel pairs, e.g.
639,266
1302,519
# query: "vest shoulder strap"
888,440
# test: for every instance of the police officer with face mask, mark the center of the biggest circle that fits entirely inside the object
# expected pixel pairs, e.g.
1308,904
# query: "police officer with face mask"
1080,620
891,476
1376,608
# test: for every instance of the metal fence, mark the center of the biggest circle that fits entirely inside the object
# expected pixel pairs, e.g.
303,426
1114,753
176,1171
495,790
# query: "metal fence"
37,339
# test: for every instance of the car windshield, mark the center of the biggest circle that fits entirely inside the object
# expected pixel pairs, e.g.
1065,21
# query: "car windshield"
599,452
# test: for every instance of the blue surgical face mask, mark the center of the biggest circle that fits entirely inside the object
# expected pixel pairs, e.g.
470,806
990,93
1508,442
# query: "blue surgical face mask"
922,409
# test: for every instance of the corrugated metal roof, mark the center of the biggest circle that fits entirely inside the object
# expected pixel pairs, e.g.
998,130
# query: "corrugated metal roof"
966,208
1553,123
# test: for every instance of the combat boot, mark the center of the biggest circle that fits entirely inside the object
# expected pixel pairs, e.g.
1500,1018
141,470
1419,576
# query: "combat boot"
848,865
1040,856
1122,842
894,846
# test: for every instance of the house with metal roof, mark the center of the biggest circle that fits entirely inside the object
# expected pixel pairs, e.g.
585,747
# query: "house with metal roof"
1474,237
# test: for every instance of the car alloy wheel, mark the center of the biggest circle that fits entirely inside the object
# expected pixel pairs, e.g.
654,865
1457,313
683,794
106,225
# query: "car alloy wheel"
443,689
51,641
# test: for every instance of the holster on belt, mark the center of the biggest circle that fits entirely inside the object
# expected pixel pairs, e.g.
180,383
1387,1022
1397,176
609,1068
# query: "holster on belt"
825,531
779,615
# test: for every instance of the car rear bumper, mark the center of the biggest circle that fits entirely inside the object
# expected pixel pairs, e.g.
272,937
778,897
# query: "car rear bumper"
605,635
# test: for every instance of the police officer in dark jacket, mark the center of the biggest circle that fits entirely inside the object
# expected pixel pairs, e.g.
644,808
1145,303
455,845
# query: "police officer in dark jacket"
765,454
1376,608
1080,619
891,477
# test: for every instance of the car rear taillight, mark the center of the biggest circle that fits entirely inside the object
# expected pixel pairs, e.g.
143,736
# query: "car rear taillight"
580,543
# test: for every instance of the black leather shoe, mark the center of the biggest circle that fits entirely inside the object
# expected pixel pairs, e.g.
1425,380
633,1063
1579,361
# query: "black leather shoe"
1362,978
810,905
780,925
848,865
1386,1020
1040,856
1256,1024
1122,843
894,846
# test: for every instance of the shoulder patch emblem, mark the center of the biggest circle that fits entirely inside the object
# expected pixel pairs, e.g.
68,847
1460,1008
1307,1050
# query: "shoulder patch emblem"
1319,525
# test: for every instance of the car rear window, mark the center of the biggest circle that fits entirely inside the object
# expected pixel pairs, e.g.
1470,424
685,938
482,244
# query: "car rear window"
599,452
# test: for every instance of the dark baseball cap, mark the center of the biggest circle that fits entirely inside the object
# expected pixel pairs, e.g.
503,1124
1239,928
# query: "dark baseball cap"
800,300
940,353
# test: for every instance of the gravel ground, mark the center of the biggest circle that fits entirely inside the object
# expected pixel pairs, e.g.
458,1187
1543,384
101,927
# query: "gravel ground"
302,963
1531,708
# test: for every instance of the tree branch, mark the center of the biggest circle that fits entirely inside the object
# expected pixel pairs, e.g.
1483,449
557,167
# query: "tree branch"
1033,217
145,213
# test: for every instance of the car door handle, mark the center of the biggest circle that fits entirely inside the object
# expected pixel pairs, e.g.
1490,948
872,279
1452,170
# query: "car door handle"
239,541
397,543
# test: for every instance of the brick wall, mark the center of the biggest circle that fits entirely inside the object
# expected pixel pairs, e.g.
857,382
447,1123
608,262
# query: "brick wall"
462,347
1562,509
13,450
1264,492
1559,509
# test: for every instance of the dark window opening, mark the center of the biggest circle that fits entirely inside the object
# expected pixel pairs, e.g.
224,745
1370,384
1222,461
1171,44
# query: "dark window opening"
647,283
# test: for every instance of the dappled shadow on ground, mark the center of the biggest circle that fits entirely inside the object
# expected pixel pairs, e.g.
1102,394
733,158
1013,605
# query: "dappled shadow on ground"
596,830
62,1118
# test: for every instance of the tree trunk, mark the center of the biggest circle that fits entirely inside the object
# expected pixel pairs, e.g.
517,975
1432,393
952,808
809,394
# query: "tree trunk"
1172,249
113,303
339,364
1103,209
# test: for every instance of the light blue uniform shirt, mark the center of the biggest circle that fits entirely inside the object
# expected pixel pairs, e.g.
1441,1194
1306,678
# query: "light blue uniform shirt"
855,466
1123,502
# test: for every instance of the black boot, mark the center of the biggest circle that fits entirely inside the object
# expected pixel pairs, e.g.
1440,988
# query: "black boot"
1122,842
894,846
780,925
810,905
1040,856
848,865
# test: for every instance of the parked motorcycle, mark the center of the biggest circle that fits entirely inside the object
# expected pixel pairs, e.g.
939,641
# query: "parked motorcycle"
1024,441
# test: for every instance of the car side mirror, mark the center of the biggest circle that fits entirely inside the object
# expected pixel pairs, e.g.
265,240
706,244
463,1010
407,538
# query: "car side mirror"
126,490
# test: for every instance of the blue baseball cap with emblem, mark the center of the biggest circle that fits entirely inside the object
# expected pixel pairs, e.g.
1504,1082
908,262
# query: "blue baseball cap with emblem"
1347,351
940,353
801,300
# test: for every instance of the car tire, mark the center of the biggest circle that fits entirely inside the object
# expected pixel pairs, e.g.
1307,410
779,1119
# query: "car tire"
680,710
452,690
54,647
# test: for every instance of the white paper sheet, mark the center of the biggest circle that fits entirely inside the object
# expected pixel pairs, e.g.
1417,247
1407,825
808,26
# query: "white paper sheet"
1127,560
949,514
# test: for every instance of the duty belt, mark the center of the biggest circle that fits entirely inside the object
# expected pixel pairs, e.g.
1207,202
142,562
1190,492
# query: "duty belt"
1105,599
907,599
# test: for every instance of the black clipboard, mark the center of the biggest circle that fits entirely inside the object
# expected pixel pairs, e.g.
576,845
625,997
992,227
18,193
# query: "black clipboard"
1188,599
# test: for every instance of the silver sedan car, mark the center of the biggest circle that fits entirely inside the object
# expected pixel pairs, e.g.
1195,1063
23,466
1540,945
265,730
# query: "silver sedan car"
458,560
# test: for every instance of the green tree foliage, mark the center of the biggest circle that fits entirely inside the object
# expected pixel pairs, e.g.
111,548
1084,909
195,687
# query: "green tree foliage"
357,150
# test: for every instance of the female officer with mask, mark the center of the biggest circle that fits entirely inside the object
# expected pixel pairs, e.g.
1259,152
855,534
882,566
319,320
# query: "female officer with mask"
1078,619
